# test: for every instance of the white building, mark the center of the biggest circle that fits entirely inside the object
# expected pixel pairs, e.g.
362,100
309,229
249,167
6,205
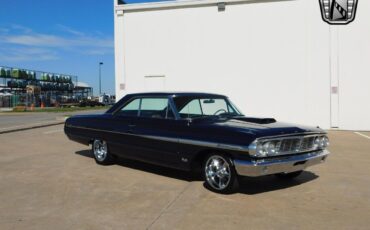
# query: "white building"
272,58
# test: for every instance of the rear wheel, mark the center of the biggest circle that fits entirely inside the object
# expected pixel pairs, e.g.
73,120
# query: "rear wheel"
101,153
288,176
219,174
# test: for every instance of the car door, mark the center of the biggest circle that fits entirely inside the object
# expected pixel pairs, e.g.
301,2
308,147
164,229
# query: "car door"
156,130
121,129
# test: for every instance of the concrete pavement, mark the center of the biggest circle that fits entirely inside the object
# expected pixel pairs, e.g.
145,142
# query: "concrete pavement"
27,120
47,181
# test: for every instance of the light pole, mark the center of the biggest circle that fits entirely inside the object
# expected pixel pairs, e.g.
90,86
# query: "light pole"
100,64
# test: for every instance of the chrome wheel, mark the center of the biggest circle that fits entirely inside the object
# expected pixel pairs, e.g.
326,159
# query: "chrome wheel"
100,150
217,172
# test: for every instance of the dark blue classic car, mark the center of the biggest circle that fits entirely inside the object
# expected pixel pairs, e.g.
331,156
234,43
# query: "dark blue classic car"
199,132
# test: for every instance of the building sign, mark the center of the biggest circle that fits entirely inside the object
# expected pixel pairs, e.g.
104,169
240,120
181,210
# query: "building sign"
338,12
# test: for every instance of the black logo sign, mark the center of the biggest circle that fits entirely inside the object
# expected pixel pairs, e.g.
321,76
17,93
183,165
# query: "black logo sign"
338,12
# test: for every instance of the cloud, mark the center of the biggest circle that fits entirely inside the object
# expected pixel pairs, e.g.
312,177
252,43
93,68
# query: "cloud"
40,40
98,51
70,30
46,40
21,28
22,43
16,54
4,30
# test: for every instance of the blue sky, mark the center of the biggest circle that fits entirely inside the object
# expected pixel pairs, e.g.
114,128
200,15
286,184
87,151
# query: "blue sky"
68,37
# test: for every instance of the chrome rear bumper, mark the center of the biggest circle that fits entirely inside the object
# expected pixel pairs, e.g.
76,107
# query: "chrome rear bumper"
284,164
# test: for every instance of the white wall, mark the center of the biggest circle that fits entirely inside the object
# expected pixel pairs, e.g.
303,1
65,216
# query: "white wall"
354,71
273,59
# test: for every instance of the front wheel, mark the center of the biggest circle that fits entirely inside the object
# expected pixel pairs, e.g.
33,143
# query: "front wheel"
101,153
219,174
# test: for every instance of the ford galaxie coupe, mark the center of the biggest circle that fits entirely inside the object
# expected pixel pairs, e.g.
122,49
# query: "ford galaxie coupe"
199,132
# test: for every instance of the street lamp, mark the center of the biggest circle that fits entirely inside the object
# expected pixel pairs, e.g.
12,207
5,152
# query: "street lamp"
100,64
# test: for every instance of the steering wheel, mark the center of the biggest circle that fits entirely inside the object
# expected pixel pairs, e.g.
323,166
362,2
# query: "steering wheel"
220,110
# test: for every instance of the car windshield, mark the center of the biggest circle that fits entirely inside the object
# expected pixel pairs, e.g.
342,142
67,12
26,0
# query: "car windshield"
195,107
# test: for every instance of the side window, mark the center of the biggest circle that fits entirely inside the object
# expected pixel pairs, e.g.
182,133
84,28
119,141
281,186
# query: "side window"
155,108
231,110
131,109
191,109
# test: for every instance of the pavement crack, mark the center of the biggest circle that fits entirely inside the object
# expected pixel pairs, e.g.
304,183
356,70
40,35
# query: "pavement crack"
168,206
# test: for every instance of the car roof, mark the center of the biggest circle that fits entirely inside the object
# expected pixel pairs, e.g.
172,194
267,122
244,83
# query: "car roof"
161,94
175,94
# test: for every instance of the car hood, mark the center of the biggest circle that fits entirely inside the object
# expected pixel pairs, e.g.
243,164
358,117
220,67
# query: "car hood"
261,127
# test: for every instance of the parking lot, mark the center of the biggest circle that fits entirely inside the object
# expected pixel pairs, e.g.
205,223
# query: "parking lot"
49,182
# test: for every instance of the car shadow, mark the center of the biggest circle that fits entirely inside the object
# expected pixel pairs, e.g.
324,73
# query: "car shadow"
256,185
248,185
150,168
85,153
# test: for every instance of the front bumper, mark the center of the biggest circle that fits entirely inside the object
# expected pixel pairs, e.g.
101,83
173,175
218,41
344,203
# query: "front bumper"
284,164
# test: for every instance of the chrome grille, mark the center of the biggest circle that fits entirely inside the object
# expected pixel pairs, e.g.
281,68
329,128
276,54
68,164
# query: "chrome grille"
307,143
292,145
286,145
289,145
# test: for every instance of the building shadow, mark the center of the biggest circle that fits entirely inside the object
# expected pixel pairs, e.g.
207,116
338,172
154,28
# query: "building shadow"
248,185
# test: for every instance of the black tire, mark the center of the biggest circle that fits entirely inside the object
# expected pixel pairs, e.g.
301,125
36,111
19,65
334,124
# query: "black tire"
288,176
101,152
220,177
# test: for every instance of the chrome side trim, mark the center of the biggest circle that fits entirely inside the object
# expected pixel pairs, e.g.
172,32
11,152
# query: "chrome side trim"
175,140
284,164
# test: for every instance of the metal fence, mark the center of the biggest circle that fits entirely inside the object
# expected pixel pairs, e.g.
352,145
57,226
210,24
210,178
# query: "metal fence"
38,88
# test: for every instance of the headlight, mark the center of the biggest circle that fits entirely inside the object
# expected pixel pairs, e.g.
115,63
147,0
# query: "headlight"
271,147
263,149
321,142
326,141
316,143
256,149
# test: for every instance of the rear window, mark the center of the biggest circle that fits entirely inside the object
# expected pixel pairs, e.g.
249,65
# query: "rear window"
131,109
148,107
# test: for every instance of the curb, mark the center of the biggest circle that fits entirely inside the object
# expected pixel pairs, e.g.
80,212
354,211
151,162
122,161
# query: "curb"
31,127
